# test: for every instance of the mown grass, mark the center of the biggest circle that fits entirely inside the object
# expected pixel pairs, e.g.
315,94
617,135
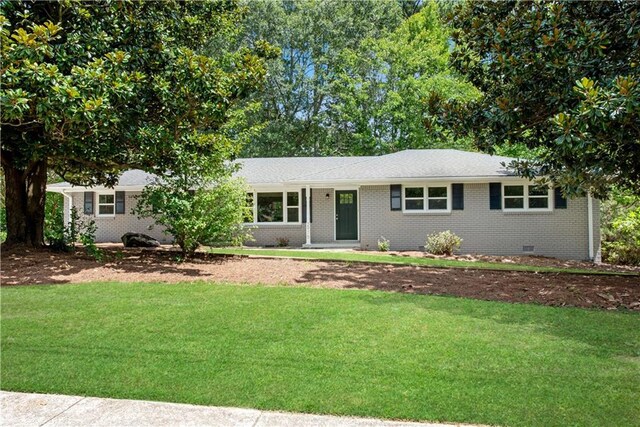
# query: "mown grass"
349,352
408,260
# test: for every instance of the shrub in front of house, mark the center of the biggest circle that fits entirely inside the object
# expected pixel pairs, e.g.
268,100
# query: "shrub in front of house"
282,242
443,243
621,228
383,244
197,210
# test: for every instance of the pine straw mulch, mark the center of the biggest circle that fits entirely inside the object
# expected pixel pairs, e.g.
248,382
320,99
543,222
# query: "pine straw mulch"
20,266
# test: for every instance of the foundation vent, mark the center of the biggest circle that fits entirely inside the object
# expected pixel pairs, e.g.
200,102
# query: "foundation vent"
528,249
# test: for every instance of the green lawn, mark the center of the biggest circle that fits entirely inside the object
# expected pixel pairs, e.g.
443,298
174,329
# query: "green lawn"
395,259
362,353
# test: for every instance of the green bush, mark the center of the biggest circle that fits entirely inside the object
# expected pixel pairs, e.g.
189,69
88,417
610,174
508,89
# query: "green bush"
282,242
621,229
383,244
197,210
443,243
54,221
63,238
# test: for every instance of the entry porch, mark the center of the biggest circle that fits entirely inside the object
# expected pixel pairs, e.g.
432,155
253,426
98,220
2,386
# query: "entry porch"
281,219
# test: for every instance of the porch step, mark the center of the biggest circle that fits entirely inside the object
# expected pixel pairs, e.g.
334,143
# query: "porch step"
333,245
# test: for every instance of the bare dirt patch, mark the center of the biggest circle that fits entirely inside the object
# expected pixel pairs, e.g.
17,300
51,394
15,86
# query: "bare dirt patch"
24,267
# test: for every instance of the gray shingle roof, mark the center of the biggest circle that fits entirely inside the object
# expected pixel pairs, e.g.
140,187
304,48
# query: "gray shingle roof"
412,164
281,169
130,178
408,164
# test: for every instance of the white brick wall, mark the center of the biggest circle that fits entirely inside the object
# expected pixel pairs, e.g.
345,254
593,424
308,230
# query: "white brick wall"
111,229
560,233
321,227
323,215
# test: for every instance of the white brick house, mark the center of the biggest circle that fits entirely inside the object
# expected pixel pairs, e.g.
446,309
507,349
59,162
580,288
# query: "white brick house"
353,201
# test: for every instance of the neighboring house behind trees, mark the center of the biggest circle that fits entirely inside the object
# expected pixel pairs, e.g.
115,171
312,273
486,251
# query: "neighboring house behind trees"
353,201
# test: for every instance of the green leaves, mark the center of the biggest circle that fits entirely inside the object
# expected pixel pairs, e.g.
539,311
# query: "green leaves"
197,209
558,78
306,94
120,85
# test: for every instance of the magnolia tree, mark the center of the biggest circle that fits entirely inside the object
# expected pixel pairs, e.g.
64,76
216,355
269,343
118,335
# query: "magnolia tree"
92,88
560,78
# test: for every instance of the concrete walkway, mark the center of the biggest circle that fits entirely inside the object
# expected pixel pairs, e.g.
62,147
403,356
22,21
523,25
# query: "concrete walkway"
29,409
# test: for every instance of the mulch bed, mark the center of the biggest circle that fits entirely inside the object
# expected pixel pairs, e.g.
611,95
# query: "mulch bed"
25,267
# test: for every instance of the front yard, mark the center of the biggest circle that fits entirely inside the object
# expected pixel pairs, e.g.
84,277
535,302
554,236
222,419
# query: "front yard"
350,352
589,288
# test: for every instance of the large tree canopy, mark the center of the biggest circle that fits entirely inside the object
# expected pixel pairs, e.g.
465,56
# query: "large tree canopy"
383,84
89,89
353,76
562,78
311,35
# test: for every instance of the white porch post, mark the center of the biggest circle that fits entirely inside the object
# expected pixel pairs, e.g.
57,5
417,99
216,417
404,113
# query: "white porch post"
67,212
590,222
307,223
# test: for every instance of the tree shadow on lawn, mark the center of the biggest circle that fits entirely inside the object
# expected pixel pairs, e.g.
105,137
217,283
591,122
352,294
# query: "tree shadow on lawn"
594,291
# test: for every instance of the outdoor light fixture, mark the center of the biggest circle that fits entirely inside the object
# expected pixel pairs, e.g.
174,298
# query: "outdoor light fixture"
326,196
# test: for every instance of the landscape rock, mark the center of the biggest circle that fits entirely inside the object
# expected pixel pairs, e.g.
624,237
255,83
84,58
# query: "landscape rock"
139,240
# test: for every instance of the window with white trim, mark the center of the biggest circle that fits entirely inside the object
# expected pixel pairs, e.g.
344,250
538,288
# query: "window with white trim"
275,207
414,198
106,204
437,198
293,206
425,199
526,197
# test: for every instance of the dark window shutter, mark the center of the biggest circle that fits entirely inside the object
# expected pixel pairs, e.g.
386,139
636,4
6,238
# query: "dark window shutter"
495,195
560,200
88,202
304,205
395,192
120,202
457,196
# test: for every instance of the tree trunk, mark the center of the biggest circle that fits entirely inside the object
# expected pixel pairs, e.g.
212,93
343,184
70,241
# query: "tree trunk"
25,197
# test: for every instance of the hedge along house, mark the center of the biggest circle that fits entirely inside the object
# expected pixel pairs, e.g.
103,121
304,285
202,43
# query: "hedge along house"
317,202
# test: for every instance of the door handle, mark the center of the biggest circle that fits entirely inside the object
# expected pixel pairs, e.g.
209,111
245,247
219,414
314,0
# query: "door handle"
336,217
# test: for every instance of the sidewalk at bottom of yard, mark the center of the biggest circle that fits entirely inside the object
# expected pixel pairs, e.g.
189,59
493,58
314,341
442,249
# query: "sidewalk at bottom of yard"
30,409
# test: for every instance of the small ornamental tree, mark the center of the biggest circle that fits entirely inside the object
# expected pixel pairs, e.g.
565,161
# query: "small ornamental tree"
197,210
90,89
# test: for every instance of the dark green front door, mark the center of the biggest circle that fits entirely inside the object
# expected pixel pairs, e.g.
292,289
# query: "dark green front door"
346,215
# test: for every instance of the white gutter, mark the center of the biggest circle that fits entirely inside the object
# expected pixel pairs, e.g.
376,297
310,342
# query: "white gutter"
590,222
383,181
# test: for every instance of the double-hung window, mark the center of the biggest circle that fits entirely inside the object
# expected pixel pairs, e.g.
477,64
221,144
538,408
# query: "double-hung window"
106,204
526,197
293,206
275,207
426,198
437,198
414,198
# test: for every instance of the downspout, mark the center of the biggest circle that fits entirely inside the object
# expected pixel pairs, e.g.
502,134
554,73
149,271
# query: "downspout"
308,224
590,221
